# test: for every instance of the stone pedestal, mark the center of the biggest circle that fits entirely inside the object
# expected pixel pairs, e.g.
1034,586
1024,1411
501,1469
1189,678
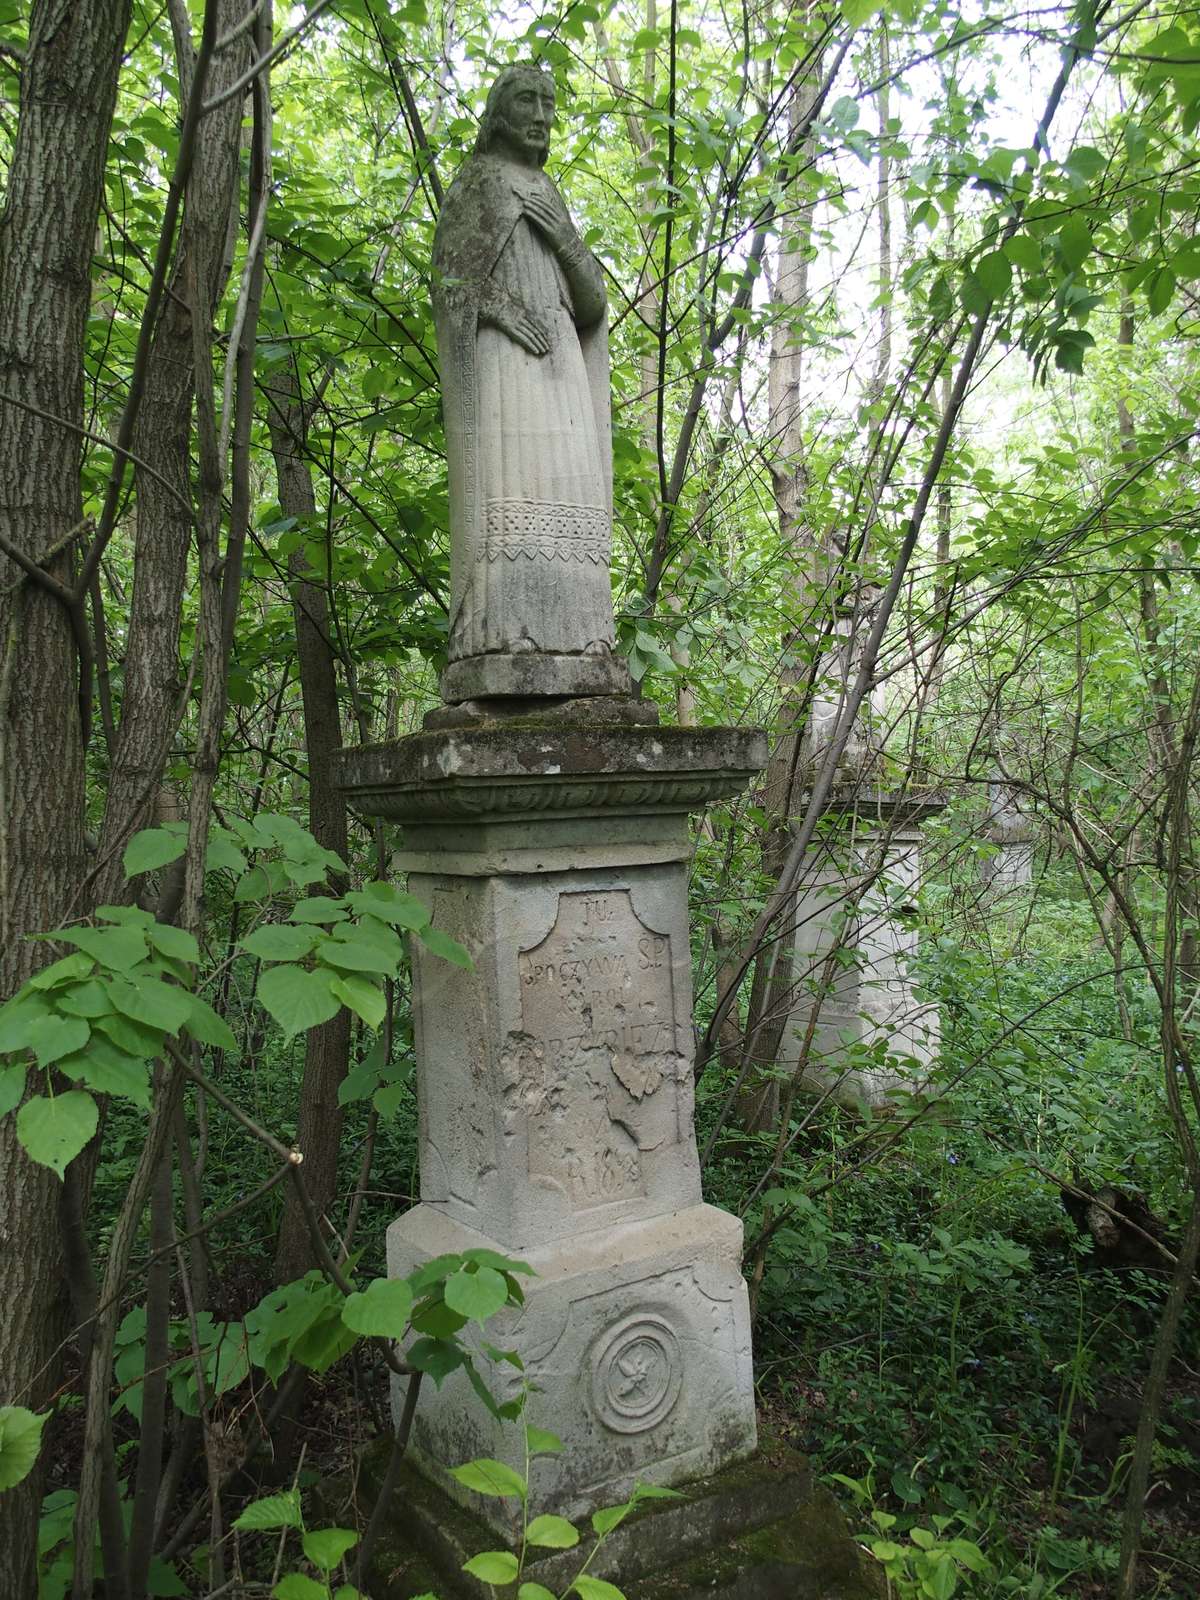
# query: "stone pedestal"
864,1005
761,1530
1011,830
555,1090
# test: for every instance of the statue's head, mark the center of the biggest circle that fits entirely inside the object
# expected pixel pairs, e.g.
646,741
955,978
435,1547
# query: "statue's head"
519,115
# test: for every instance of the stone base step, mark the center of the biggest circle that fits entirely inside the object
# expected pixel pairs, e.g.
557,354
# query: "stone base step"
761,1530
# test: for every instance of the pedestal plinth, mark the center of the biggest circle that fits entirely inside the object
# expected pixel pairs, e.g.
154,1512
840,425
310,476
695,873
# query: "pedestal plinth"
555,1092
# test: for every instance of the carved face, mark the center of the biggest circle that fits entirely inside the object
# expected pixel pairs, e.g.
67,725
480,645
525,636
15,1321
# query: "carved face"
527,116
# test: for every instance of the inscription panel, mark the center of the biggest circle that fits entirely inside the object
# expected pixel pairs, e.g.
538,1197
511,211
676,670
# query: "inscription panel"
596,1055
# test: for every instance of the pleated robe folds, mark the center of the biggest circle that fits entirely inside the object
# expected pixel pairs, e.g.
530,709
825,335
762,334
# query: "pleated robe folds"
528,438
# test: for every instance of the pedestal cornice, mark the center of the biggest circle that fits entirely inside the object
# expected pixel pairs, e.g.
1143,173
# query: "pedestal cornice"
528,769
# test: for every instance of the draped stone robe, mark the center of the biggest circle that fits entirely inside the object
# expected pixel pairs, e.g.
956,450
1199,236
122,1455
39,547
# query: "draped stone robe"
528,437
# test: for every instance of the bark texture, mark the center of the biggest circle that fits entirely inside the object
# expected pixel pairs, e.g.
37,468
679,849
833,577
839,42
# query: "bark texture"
153,677
327,1052
68,91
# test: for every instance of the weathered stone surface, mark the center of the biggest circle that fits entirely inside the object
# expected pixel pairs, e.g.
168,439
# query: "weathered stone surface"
614,710
520,309
759,1530
535,673
872,1002
555,1077
531,769
636,1343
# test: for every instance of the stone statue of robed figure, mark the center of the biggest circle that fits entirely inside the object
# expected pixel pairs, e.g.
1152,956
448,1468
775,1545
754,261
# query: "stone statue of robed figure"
544,822
520,309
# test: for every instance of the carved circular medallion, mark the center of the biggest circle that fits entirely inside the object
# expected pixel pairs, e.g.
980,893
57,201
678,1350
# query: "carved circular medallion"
636,1373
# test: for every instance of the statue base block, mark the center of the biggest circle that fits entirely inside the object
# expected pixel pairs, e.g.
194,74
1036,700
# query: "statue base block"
761,1530
534,674
635,1344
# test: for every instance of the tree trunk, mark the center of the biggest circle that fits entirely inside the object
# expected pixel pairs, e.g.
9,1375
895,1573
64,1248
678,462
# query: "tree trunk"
327,1052
805,597
68,90
163,440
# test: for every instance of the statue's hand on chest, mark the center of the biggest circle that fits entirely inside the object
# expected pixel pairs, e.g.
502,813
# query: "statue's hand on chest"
542,207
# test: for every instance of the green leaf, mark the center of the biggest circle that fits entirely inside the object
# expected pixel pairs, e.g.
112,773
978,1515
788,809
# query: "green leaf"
382,1309
20,1441
994,272
362,997
435,1357
434,1317
117,948
159,1005
1160,291
1024,252
296,1586
362,947
940,1580
273,1511
206,1027
969,1554
595,1589
88,999
492,1258
16,1018
154,847
1085,162
53,1129
132,1037
12,1087
443,945
493,1566
610,1517
52,1037
535,1591
163,1582
552,1533
296,998
175,943
108,1070
856,12
223,854
490,1477
1143,220
436,1270
360,1083
280,941
479,1294
541,1443
325,1343
254,885
389,904
1074,240
975,298
76,965
884,1550
318,908
325,1547
388,1098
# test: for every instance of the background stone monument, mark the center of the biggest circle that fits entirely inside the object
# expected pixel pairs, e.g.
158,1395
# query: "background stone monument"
545,824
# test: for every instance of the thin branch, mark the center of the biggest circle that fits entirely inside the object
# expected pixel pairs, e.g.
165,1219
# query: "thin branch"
284,44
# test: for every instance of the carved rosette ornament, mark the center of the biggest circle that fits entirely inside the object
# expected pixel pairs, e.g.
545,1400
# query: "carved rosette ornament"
636,1373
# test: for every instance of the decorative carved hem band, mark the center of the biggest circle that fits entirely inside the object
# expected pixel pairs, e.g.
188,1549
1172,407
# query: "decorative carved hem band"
539,529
